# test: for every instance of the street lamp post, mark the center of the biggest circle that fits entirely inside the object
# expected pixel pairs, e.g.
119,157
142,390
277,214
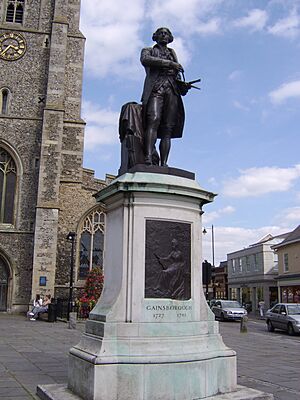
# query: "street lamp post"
71,237
212,243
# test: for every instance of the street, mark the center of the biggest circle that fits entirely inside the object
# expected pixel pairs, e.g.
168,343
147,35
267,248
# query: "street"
266,361
35,352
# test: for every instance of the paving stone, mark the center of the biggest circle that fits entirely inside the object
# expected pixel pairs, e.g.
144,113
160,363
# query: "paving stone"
21,366
9,383
28,397
31,378
12,391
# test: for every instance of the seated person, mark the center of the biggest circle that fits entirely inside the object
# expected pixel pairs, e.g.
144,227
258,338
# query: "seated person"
42,309
37,303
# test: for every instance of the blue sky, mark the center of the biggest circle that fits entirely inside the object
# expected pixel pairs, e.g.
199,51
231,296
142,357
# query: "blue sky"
241,136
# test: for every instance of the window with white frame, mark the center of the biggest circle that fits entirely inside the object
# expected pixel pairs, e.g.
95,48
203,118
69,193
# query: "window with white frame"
240,264
91,242
276,261
233,261
285,262
255,257
248,265
233,293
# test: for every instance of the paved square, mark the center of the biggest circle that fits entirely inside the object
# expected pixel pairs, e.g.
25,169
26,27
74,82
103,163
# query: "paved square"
36,352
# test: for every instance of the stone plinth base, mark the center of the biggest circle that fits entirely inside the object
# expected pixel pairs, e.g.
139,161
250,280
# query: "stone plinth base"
61,392
170,381
147,361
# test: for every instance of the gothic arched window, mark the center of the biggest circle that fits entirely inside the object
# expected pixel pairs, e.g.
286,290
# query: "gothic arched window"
8,181
91,242
15,11
4,94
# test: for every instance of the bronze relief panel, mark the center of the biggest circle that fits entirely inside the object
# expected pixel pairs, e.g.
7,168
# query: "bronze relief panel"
168,260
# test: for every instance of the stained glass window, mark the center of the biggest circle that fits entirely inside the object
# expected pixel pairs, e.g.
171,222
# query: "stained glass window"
15,11
91,242
8,180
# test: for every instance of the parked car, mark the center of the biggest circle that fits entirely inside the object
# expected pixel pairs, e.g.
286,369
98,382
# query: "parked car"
228,310
284,316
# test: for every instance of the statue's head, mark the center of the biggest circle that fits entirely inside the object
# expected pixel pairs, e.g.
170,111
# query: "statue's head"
174,243
162,33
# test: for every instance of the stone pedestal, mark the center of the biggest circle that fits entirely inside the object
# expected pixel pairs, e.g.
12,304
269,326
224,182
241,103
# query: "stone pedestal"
152,336
150,348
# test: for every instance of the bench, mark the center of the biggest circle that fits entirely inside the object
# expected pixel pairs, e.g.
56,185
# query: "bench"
49,316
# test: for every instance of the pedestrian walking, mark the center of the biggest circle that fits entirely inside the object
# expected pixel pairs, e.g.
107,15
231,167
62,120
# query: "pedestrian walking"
261,306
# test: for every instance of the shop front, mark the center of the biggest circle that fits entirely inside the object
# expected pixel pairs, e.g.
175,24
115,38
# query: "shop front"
250,295
289,288
290,294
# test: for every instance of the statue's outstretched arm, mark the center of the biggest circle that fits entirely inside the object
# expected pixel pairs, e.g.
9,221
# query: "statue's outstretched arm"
149,60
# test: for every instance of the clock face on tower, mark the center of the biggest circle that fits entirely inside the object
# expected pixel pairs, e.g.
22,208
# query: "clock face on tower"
12,46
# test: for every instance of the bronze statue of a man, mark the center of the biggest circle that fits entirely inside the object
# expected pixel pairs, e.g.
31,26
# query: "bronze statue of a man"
163,112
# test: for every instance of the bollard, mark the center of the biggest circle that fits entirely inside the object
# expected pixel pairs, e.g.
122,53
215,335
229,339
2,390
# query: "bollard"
72,320
244,324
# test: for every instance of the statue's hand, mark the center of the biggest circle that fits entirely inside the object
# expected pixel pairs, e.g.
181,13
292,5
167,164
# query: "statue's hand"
176,66
184,87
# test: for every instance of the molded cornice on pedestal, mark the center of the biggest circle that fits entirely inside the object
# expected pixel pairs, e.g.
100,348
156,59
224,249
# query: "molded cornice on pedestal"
149,182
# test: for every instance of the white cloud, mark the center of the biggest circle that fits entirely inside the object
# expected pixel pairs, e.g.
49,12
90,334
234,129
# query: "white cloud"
182,51
235,75
240,106
230,239
212,216
210,27
102,126
284,92
187,16
212,181
255,20
113,39
259,181
293,215
289,217
288,27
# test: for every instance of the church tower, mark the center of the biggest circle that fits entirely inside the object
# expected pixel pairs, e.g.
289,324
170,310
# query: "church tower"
44,191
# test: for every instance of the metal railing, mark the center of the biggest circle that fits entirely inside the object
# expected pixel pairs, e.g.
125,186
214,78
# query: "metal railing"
82,310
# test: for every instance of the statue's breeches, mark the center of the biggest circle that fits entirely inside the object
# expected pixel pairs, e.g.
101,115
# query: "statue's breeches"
162,111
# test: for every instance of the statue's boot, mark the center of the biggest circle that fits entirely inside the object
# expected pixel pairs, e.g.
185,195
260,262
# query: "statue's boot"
148,159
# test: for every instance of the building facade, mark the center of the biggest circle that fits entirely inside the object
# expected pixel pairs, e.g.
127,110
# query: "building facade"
252,272
44,190
221,281
288,279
